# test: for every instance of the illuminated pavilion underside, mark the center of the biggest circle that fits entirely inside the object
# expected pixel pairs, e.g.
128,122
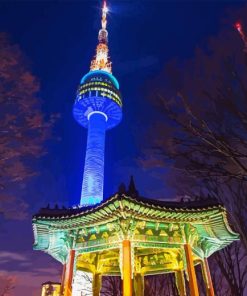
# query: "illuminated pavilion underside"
133,237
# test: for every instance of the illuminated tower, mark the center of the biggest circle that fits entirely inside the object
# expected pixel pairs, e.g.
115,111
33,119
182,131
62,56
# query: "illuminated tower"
126,235
98,107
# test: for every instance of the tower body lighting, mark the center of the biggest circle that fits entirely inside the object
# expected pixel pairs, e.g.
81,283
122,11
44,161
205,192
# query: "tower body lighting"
98,107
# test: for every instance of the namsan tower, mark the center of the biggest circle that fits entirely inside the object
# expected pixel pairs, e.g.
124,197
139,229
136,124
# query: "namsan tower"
125,235
98,107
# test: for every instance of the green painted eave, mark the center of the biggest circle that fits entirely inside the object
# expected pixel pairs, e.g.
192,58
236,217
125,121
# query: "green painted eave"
52,227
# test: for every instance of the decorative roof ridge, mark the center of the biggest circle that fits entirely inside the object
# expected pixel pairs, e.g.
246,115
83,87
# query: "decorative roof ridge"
45,212
156,204
178,205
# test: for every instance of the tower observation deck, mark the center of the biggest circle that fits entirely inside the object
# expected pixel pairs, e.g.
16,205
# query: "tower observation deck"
98,107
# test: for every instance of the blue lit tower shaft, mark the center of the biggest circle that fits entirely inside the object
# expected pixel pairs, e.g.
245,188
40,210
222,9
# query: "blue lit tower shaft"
93,177
98,107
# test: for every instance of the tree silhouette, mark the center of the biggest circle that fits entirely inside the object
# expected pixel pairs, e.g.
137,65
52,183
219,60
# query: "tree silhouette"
203,138
23,127
7,284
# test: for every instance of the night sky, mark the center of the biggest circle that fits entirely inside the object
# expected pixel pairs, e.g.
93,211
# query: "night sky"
59,39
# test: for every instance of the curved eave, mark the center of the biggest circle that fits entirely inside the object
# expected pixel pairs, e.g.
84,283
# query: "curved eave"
124,201
213,215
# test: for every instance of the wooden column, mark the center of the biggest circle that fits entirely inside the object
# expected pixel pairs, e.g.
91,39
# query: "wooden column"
180,282
139,284
67,288
127,281
191,271
63,279
207,278
97,278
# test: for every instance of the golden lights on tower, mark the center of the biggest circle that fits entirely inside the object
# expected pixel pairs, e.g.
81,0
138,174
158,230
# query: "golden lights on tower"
101,60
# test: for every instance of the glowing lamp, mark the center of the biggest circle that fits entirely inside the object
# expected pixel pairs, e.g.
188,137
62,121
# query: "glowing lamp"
105,9
238,26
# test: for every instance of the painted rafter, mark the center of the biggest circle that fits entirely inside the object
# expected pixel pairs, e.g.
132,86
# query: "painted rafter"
147,225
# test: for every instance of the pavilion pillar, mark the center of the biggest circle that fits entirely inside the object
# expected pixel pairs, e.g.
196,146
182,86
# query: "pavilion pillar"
68,275
139,284
191,270
127,271
62,279
97,279
207,278
180,282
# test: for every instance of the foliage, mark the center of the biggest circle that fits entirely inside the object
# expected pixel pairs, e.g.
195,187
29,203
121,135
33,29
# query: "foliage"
163,284
202,136
23,127
7,284
111,286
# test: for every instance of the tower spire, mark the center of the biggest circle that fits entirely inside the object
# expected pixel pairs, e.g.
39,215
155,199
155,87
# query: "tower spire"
101,61
104,12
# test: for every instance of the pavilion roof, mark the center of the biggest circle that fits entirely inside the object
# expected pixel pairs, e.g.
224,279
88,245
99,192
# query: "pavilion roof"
119,201
52,227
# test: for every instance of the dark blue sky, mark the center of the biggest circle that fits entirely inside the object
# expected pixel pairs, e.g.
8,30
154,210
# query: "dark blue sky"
59,39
